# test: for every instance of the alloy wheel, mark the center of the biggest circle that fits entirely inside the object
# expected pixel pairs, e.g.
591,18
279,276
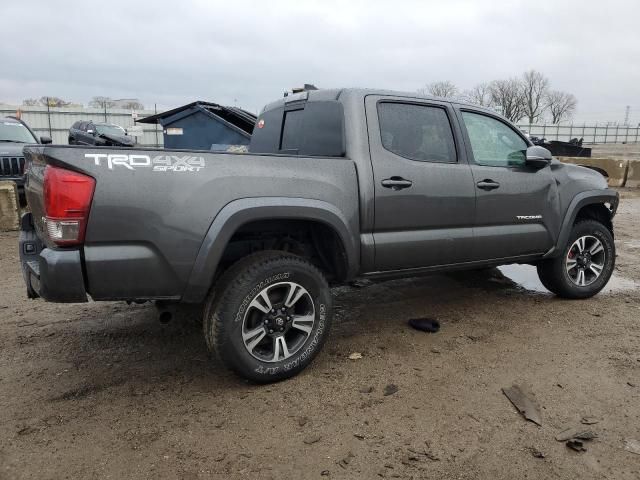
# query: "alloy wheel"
278,322
585,260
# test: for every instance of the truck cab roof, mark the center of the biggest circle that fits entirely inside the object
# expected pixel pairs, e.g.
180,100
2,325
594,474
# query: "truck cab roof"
335,94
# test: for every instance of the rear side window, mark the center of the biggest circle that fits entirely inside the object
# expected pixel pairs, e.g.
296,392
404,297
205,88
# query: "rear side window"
417,132
493,142
292,130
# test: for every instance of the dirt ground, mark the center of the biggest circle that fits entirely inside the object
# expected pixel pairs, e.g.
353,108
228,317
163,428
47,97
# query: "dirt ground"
103,390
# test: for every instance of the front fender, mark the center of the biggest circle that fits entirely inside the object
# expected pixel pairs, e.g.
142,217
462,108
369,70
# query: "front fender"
582,199
240,212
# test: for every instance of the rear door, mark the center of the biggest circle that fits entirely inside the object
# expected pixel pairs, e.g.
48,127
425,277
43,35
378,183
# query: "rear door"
514,207
424,191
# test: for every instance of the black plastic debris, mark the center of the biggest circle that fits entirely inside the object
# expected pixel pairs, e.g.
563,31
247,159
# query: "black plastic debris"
425,324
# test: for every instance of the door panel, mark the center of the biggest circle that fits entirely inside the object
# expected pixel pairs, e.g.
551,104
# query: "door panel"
424,209
514,202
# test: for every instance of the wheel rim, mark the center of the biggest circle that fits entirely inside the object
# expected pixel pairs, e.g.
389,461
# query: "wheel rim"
278,322
585,260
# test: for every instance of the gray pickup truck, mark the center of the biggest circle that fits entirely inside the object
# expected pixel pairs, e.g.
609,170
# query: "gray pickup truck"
337,184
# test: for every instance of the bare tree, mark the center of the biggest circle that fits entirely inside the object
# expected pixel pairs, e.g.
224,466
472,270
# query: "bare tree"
443,89
46,100
535,87
31,102
133,105
561,105
480,95
508,96
101,102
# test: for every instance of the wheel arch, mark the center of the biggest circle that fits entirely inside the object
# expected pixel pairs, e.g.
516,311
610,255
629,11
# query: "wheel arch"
239,214
600,205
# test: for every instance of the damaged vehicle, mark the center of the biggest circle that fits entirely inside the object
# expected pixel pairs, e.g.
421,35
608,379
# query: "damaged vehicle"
100,135
337,184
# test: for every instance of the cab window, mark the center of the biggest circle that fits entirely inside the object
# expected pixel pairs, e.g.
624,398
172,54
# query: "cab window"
493,142
417,132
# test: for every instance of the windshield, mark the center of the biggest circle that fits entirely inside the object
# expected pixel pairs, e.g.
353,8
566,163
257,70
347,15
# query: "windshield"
15,132
110,130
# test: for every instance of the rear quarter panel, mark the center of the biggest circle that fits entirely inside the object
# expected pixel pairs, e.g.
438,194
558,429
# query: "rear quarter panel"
147,222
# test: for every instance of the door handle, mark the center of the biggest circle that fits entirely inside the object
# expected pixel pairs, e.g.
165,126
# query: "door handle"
488,184
396,183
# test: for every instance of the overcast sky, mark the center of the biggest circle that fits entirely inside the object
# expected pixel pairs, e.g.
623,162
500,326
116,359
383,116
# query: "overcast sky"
171,52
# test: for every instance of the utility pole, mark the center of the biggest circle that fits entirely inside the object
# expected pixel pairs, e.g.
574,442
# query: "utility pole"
627,111
49,117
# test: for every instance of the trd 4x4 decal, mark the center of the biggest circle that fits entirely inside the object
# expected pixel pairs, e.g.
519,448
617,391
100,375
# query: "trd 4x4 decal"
159,163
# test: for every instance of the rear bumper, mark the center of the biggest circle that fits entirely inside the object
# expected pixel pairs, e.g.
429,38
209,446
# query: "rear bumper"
55,275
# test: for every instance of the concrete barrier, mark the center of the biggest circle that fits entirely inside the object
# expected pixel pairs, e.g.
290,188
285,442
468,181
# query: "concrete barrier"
633,174
9,207
615,169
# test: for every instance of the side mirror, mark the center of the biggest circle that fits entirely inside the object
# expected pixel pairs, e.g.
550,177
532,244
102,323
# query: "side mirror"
538,157
45,140
91,132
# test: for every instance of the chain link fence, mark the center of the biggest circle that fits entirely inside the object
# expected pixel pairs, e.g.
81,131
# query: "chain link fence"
591,134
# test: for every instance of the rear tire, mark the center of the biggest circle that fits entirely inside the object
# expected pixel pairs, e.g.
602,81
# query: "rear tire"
585,265
269,316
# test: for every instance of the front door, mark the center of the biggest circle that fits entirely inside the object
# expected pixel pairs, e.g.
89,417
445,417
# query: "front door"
514,202
424,190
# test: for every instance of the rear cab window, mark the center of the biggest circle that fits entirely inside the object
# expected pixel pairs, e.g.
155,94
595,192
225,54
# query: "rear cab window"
304,128
292,132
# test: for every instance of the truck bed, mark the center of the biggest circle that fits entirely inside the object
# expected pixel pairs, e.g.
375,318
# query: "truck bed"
152,209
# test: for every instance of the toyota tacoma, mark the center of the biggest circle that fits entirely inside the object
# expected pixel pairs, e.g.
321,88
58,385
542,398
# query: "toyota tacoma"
337,184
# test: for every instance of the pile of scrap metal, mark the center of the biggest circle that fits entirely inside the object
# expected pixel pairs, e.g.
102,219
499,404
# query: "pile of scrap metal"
572,148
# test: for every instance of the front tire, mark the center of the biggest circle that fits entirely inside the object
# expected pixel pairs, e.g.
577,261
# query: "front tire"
585,265
269,317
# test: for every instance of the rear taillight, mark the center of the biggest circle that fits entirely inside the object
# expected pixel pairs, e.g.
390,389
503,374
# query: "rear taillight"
67,199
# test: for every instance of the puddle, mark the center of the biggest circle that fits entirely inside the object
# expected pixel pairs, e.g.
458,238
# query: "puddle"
526,277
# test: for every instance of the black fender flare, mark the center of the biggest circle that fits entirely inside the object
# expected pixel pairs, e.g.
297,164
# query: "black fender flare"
582,199
242,211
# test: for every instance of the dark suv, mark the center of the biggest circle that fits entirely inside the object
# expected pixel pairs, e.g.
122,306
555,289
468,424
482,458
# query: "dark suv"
99,134
14,134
